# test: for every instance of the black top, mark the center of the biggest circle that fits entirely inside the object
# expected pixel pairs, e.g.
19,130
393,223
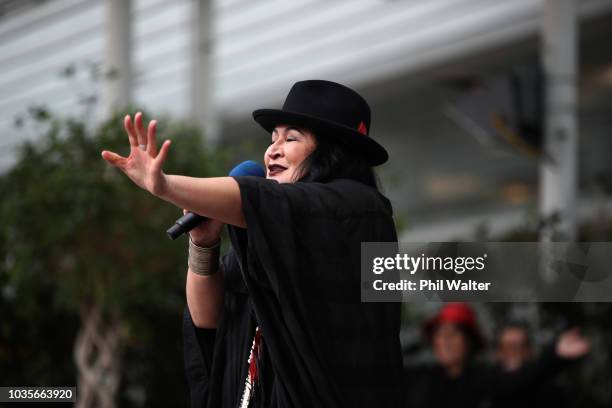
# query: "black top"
482,385
295,272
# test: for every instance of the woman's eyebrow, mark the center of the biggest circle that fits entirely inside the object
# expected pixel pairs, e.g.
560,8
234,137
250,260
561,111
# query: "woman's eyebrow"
288,128
294,128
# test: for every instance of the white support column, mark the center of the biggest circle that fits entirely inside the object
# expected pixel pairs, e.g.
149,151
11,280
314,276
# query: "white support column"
558,177
118,87
203,112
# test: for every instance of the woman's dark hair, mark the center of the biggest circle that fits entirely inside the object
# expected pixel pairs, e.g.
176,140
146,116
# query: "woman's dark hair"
333,159
472,341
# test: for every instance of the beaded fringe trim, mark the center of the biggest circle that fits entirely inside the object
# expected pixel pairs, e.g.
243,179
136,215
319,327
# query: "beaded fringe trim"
249,382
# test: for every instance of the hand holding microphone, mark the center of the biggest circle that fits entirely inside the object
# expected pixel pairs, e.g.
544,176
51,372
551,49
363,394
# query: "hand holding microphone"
206,232
190,220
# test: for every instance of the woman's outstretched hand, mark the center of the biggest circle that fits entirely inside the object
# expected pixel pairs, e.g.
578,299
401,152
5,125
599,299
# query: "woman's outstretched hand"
144,164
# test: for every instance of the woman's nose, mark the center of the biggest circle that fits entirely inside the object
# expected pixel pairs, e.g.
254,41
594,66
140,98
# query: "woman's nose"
275,150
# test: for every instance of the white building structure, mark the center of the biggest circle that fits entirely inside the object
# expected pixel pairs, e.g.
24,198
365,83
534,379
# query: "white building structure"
217,60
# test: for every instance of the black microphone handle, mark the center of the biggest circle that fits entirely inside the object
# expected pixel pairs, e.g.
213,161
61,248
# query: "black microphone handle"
184,224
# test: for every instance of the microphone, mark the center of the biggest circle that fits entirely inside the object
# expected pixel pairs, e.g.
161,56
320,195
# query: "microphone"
190,220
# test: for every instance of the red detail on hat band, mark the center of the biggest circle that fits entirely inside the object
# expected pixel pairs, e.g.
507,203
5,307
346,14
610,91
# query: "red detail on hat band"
362,129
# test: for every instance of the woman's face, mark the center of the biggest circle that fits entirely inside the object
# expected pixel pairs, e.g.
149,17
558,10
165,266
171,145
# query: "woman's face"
450,345
290,146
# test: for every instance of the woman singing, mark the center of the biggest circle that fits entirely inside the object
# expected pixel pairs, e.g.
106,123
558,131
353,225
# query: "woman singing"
279,321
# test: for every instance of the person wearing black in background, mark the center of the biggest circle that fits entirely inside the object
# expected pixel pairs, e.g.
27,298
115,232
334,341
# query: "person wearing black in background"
279,321
458,380
514,350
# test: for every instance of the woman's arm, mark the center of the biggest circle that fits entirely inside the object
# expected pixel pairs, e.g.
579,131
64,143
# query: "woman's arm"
217,198
205,292
205,298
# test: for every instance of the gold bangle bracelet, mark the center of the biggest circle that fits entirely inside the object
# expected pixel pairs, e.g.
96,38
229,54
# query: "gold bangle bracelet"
203,261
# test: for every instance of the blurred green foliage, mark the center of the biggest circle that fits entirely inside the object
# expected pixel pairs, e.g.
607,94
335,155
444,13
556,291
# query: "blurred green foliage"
74,223
77,232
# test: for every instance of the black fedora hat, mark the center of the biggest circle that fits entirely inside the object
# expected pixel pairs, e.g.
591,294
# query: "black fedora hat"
328,109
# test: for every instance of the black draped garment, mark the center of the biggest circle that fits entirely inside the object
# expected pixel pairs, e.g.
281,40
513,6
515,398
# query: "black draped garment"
295,273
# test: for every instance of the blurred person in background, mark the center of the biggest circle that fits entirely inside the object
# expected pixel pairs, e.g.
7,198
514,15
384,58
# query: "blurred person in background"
279,321
513,351
459,379
513,346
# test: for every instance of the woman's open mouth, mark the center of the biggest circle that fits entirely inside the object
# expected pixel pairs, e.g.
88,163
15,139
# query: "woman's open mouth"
275,169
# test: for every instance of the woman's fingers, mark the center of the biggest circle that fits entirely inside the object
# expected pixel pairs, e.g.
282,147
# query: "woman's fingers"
114,159
151,141
129,128
140,133
163,152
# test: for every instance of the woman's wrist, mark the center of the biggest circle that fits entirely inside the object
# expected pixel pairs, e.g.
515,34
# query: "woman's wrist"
160,189
203,261
206,243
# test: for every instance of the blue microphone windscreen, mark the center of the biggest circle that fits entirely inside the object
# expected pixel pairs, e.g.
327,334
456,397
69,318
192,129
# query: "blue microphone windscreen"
248,168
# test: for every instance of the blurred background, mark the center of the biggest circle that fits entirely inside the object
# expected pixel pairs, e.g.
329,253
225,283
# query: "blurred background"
496,114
